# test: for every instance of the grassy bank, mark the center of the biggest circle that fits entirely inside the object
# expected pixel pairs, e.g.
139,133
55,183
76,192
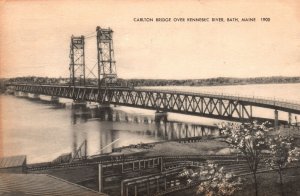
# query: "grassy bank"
205,147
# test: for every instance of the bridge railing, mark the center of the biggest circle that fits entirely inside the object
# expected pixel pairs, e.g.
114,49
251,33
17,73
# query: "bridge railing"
243,97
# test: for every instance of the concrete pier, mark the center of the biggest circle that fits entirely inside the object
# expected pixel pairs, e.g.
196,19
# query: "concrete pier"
105,112
54,99
104,106
290,119
21,94
78,104
276,119
161,116
16,93
35,96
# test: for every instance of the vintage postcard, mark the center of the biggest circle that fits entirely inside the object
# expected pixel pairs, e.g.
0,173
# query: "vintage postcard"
136,97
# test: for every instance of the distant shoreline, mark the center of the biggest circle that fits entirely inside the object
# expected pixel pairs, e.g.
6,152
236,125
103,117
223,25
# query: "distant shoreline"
219,81
243,84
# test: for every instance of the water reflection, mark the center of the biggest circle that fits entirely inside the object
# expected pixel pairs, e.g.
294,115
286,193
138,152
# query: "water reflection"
57,128
107,128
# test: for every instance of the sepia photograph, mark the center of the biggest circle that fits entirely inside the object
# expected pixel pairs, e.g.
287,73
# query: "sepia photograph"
150,98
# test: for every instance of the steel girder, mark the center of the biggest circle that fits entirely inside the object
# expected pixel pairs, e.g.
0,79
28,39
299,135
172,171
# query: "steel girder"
161,101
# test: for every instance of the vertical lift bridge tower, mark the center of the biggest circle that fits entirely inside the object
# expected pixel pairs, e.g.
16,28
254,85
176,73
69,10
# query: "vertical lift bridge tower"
106,70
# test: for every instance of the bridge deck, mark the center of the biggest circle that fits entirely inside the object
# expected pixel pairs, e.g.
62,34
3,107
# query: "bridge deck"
225,107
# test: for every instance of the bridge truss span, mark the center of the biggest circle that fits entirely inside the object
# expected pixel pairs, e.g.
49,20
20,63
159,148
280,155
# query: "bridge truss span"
205,105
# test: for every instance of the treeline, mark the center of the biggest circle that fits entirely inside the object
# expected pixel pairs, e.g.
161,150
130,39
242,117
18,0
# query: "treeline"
213,81
161,82
2,85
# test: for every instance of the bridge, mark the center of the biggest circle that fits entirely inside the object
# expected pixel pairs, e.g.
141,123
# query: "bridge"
224,107
205,105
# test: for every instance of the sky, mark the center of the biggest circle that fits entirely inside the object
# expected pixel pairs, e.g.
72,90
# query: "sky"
35,37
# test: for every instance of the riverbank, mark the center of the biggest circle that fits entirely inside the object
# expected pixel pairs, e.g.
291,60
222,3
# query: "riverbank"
211,145
208,146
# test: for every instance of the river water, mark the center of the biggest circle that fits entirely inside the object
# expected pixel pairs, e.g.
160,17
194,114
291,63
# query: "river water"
43,130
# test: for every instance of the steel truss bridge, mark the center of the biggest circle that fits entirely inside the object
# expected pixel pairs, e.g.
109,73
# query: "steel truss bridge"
199,104
107,92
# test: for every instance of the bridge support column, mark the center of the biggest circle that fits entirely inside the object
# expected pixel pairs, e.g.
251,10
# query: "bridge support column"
106,112
35,96
78,104
276,119
161,116
104,106
17,93
290,119
54,99
22,94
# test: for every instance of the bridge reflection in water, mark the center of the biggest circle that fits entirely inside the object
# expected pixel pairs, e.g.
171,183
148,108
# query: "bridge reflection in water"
110,125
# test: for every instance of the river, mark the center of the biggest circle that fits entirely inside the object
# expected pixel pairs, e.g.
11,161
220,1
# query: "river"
43,130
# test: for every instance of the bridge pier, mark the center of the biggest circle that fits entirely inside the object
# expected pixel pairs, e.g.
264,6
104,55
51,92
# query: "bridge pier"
21,94
276,119
104,106
160,115
17,93
290,119
54,99
78,104
35,96
105,112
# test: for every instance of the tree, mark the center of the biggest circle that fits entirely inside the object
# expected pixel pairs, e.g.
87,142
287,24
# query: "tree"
213,180
250,140
282,152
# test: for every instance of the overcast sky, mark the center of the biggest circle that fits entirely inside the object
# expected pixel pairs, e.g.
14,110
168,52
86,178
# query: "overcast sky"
35,38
